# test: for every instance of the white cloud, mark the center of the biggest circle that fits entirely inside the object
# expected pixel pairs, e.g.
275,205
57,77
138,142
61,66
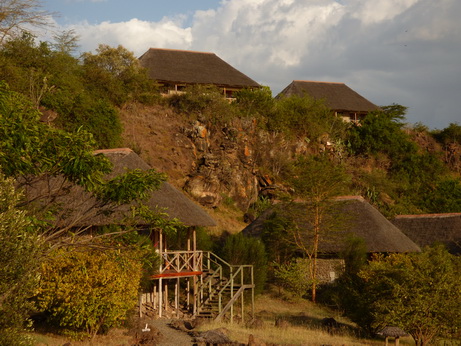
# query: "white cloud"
135,35
404,51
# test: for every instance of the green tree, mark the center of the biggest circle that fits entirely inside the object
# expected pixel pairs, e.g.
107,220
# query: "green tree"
21,246
451,134
418,292
203,102
239,249
117,74
257,103
32,152
316,180
381,132
305,117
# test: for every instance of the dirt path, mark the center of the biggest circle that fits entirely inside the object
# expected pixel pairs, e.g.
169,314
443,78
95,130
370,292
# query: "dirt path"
171,337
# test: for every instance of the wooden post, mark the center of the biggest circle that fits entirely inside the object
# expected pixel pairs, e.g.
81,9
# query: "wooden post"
252,294
160,288
194,248
165,294
188,279
176,301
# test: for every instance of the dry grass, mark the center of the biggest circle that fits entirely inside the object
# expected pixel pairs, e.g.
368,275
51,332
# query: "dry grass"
227,218
302,325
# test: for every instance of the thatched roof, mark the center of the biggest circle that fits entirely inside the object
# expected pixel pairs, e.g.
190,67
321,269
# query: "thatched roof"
180,66
338,96
350,215
428,229
80,209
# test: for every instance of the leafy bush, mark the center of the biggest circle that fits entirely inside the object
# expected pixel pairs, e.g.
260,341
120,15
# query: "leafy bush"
381,132
89,290
294,276
445,197
239,249
204,102
451,134
116,74
20,246
305,117
256,103
418,292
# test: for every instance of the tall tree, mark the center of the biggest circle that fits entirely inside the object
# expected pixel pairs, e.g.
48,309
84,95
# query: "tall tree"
316,180
17,16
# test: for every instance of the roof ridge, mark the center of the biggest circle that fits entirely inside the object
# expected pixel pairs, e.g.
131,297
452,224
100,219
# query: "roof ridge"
114,150
416,216
349,197
312,81
182,50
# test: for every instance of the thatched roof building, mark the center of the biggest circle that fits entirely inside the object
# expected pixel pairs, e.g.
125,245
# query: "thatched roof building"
429,229
344,101
350,215
78,208
175,69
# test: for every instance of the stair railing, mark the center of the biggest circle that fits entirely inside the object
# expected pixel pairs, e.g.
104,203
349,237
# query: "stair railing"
218,268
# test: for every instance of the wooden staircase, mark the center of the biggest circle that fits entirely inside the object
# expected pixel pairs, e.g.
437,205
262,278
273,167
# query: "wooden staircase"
221,286
216,286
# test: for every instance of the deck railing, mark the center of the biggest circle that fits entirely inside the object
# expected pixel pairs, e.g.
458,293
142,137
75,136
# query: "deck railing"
182,261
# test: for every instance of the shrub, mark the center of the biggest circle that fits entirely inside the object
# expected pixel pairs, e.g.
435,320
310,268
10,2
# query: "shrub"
239,249
204,102
381,132
451,134
305,117
19,258
294,276
256,103
418,292
115,73
88,290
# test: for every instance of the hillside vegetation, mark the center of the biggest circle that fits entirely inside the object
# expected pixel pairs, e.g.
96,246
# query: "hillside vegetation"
236,160
224,154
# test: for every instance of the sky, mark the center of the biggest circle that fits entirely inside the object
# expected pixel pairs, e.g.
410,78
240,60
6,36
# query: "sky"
390,51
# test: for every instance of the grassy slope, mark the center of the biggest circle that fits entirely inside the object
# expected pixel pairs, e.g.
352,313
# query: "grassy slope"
303,325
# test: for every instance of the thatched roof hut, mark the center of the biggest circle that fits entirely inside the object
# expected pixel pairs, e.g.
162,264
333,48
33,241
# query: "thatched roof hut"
79,209
428,229
350,215
338,97
179,67
393,332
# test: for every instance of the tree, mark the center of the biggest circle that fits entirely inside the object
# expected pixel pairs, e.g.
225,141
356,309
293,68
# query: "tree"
117,74
66,42
239,250
17,16
31,152
381,132
21,246
418,292
305,117
317,181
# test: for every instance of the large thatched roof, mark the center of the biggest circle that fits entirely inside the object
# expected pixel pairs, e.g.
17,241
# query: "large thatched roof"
428,229
350,216
180,66
80,209
338,96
